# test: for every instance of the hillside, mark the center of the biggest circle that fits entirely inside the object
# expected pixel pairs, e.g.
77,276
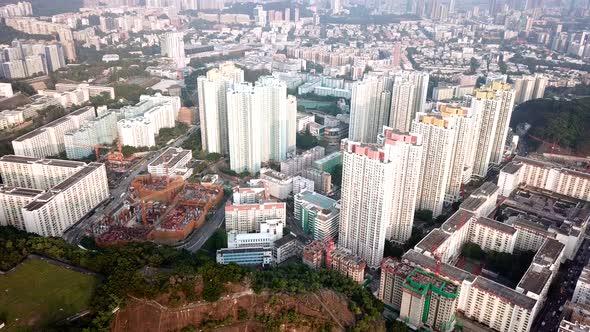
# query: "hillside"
154,285
565,122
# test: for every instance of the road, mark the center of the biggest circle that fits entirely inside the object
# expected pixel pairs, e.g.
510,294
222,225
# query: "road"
197,238
561,290
75,233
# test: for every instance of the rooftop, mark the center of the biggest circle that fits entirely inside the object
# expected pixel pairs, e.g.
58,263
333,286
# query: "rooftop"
17,191
504,292
548,253
535,279
433,240
170,157
429,263
285,239
511,168
318,200
493,224
457,220
35,160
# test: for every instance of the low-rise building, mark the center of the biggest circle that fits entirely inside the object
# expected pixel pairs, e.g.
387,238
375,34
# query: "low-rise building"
279,185
172,162
317,214
286,247
245,256
346,264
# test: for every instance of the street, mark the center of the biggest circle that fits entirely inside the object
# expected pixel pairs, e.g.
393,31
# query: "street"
75,233
561,290
197,238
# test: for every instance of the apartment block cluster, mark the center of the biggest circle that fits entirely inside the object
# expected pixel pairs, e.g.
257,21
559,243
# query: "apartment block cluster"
21,8
253,124
139,125
31,58
254,223
529,218
46,196
10,119
64,95
34,26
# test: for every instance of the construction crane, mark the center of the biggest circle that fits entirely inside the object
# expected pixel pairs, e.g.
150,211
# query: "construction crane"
553,145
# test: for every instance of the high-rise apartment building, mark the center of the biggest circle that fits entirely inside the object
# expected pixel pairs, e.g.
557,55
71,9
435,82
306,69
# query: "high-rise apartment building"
439,139
369,108
461,164
48,140
46,196
486,104
493,105
529,87
212,92
403,104
405,150
258,122
172,45
365,212
379,183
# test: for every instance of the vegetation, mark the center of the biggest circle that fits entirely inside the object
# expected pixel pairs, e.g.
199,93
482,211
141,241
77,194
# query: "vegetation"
38,293
167,134
306,141
20,86
252,75
128,151
510,266
337,175
8,34
131,92
193,142
298,278
174,272
424,215
566,122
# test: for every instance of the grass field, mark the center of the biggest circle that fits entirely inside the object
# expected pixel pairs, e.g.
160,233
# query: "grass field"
37,293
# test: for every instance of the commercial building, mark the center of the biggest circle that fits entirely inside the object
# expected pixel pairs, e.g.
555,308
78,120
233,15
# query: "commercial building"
48,140
317,214
301,184
172,162
429,300
247,218
46,196
270,231
329,162
213,106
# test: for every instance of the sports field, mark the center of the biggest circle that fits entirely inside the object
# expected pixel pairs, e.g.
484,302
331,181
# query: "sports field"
38,293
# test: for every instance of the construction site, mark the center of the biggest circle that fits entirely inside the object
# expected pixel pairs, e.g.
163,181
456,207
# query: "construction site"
158,208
